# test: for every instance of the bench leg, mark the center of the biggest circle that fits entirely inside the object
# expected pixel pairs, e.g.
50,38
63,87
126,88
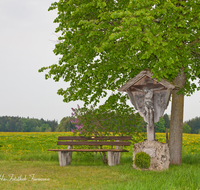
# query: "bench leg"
65,158
113,158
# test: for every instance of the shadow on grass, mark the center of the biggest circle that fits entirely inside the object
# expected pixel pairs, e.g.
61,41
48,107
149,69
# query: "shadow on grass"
78,158
91,158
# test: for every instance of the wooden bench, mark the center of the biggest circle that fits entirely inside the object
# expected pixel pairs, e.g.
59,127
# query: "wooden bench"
65,155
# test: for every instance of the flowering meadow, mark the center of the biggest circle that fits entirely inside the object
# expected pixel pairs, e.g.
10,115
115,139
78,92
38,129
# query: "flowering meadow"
28,145
190,144
23,154
34,145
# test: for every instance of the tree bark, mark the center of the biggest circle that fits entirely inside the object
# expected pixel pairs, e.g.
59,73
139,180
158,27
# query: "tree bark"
176,124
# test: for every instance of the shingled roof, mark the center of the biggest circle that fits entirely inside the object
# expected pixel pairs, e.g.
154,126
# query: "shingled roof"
140,76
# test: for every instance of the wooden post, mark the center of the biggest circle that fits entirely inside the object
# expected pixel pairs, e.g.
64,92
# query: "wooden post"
103,156
167,138
119,153
150,133
70,147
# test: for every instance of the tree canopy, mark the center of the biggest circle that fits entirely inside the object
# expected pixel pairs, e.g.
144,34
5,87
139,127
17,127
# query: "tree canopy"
104,43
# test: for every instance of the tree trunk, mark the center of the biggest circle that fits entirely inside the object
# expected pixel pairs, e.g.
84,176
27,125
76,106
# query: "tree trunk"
176,124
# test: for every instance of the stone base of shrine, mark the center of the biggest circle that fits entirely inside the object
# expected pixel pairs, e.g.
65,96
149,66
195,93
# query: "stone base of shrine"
158,151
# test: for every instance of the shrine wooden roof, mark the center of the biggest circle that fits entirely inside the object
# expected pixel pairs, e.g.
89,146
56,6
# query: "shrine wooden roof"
142,74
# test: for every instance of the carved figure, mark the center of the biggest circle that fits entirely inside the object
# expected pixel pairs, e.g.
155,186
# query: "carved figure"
148,104
160,99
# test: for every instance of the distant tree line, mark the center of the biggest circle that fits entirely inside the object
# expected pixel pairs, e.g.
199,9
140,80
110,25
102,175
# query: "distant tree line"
19,124
191,126
194,124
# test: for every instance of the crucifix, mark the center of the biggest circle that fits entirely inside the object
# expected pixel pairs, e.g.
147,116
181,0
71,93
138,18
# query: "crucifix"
149,97
149,110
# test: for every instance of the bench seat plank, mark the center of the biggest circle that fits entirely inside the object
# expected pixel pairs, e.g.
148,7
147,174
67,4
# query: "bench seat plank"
94,143
89,150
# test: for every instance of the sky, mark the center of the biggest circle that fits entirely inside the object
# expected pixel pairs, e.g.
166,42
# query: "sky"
27,40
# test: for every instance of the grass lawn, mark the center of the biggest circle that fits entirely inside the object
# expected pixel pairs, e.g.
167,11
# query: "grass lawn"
25,164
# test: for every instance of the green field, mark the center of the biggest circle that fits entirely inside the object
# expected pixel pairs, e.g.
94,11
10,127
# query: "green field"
26,164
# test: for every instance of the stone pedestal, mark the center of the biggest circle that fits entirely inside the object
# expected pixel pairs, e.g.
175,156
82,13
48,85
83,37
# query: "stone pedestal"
158,151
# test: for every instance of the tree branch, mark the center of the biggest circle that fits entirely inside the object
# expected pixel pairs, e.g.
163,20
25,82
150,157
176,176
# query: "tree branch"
196,53
195,41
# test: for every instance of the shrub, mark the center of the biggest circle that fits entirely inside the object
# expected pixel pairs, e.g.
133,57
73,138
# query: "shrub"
101,122
142,160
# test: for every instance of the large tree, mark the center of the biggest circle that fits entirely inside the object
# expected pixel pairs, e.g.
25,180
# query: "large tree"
105,43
